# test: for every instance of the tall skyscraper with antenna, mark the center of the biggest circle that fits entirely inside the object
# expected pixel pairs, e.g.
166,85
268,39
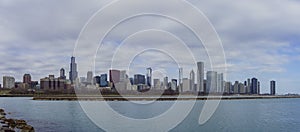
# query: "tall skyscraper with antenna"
73,74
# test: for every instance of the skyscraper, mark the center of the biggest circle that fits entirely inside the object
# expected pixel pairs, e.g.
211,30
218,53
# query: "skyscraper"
220,84
103,80
242,88
174,84
8,82
73,74
272,87
97,80
123,76
249,86
211,82
228,86
89,77
114,76
139,79
149,77
27,78
236,89
258,87
186,85
166,81
180,80
62,74
200,77
156,83
192,78
254,86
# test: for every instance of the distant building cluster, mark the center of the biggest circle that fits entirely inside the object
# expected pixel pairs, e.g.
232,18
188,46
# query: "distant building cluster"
118,80
9,82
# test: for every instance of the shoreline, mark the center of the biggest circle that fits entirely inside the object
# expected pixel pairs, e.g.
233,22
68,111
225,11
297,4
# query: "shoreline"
17,95
155,98
148,97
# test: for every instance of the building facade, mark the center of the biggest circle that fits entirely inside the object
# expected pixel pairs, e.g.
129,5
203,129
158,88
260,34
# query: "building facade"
114,76
103,80
89,77
180,81
220,84
53,84
272,87
27,78
62,74
211,82
186,85
254,86
8,82
139,79
200,77
149,77
192,78
73,74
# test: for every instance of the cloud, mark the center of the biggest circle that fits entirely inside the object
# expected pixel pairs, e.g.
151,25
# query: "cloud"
38,37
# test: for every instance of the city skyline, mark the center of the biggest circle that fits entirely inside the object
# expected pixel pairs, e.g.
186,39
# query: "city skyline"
119,80
266,51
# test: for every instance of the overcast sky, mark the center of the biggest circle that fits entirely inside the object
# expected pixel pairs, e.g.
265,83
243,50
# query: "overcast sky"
260,39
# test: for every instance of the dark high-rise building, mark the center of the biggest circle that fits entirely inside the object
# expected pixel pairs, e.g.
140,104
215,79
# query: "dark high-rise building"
27,78
103,80
139,79
149,77
258,87
97,80
73,74
254,86
62,74
131,80
246,86
273,87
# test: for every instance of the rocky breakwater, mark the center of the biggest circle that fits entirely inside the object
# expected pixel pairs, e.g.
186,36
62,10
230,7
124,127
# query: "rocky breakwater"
13,125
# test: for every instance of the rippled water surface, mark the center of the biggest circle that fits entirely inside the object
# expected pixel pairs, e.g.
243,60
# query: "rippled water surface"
231,115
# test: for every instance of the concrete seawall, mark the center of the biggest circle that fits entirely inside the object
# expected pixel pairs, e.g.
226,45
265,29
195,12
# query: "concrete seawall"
158,98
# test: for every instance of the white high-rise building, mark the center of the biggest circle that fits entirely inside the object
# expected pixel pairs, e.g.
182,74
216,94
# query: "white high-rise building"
192,78
186,84
166,82
156,83
180,79
200,76
8,82
89,77
123,76
211,83
220,84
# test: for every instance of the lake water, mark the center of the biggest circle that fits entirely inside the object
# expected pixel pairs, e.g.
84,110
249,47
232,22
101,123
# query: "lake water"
231,115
